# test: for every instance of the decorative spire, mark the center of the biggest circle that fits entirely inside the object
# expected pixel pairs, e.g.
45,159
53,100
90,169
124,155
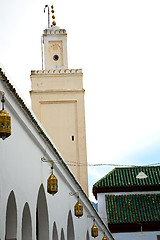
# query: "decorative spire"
53,16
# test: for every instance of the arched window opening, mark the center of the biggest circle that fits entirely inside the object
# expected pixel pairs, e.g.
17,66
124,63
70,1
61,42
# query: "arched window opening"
70,227
11,218
55,233
26,224
62,235
42,224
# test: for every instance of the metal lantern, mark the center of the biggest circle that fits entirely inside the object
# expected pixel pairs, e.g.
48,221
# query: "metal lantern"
104,238
78,209
94,230
52,184
5,122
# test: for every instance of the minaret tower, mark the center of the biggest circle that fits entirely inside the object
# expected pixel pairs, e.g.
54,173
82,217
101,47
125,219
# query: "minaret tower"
57,98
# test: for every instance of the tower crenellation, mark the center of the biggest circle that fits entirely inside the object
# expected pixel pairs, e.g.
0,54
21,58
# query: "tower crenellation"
56,30
59,71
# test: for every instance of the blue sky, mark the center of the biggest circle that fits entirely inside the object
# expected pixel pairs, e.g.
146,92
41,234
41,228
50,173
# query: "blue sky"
116,43
147,155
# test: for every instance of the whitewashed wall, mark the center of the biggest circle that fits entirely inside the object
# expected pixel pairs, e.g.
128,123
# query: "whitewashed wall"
23,178
136,236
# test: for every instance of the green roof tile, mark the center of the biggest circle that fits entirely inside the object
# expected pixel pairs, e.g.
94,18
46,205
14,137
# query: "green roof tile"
126,178
135,208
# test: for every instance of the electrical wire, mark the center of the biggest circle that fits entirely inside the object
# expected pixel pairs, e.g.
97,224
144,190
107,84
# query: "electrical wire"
70,163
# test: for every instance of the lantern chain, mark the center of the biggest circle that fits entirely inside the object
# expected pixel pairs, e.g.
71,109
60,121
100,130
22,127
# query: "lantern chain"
2,100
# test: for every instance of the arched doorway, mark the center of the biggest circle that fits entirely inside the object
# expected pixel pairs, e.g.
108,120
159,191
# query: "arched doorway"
70,227
11,217
55,233
26,224
42,224
62,235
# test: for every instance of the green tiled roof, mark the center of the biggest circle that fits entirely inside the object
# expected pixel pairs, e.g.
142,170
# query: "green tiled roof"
126,178
140,208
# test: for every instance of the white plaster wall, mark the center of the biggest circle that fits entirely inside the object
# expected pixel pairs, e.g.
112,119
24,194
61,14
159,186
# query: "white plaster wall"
102,195
136,236
23,172
102,206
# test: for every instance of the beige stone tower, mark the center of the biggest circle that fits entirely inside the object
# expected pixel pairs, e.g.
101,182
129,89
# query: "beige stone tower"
57,98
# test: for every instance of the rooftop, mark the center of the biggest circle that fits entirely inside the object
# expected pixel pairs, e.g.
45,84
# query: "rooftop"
137,208
124,179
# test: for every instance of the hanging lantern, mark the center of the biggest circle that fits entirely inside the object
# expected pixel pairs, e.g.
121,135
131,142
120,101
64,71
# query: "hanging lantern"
5,122
78,209
104,238
94,230
52,184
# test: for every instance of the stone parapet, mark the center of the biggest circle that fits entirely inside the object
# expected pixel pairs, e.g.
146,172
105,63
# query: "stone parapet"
56,71
54,31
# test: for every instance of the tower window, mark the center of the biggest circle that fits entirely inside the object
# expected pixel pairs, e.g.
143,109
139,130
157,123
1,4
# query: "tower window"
72,138
55,57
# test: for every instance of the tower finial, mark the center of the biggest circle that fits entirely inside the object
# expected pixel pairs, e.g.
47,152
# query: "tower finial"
46,6
53,16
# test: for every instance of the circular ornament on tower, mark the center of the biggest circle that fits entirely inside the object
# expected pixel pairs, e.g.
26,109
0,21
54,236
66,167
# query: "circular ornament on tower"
55,57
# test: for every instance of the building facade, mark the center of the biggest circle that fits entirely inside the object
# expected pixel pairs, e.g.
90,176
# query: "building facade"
129,202
28,210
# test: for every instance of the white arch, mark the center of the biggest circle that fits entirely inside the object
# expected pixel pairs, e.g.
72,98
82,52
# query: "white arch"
42,223
62,235
70,227
11,217
55,233
26,223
